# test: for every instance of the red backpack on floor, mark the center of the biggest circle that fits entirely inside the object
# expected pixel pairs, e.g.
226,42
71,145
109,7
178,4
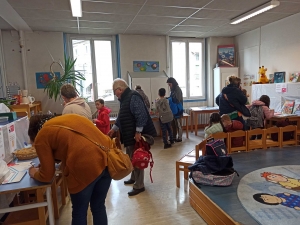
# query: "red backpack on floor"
142,156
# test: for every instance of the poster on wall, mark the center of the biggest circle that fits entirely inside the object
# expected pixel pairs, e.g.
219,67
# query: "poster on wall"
248,80
279,77
2,149
145,66
42,78
226,56
12,138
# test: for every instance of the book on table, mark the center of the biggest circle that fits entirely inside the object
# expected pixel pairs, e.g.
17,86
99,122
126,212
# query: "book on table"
287,107
296,109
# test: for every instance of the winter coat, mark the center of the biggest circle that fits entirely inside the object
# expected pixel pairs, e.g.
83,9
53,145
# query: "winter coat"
164,111
176,92
215,128
236,101
102,121
145,98
268,113
78,106
236,125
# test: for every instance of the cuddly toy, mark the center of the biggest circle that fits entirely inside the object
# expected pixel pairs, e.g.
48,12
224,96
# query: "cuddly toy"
262,76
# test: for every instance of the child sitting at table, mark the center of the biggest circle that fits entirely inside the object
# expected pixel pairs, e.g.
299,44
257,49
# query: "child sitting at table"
102,121
165,117
231,126
215,125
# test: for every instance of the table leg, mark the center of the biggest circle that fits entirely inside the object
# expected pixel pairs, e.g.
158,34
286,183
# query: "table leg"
55,199
192,121
50,206
187,127
41,210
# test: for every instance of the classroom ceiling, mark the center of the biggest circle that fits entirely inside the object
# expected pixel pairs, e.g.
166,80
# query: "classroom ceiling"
181,18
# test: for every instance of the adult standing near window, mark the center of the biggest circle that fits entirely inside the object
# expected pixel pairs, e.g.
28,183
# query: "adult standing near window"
138,88
133,121
74,104
232,100
176,95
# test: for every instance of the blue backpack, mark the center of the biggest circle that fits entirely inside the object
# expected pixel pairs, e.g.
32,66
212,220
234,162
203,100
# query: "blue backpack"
177,108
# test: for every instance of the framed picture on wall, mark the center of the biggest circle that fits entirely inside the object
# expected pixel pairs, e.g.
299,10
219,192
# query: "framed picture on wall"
226,56
279,77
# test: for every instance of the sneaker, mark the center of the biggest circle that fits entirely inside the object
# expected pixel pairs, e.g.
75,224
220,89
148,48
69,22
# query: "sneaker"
167,146
178,140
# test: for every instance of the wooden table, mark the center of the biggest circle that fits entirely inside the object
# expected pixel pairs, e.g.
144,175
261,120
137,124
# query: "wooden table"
200,110
36,107
185,117
29,184
155,118
291,118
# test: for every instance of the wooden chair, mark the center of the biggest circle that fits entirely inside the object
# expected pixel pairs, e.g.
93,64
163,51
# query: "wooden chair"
298,136
268,140
257,143
238,133
188,159
222,135
200,147
290,128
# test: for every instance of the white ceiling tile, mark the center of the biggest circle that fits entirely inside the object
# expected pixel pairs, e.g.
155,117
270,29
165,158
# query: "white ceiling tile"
203,22
158,20
216,14
147,32
50,23
244,5
44,14
117,8
166,11
180,3
184,34
138,2
107,17
193,28
142,27
4,25
121,26
41,4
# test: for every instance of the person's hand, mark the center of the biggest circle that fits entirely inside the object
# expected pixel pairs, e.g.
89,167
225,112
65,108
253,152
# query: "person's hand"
137,136
110,133
94,120
32,171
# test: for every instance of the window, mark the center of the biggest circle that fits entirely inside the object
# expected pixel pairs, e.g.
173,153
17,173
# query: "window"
187,67
96,60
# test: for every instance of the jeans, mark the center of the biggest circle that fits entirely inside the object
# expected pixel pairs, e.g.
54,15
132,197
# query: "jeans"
164,128
94,194
137,175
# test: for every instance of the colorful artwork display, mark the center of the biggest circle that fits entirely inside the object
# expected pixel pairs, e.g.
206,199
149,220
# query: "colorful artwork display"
42,78
226,56
145,66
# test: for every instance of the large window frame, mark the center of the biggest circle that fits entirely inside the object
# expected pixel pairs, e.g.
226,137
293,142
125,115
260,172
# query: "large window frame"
92,38
188,97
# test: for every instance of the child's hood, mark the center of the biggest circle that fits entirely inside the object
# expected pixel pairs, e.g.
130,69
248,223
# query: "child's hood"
257,102
104,109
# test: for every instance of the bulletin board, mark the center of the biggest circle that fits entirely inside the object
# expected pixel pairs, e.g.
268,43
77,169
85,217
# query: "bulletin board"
276,98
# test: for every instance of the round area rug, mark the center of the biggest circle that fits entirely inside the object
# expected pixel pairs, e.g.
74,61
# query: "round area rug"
272,195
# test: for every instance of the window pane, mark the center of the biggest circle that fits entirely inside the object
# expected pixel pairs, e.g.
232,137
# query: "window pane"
179,64
195,68
104,70
82,52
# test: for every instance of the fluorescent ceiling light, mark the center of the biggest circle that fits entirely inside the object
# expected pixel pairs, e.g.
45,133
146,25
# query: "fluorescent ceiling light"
260,9
76,8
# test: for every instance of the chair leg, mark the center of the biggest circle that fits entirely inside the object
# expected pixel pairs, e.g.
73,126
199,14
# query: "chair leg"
186,174
177,175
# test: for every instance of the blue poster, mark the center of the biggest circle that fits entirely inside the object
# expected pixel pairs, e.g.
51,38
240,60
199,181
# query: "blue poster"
145,66
42,78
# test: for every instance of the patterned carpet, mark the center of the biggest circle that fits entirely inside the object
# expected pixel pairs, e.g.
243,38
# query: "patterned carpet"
272,195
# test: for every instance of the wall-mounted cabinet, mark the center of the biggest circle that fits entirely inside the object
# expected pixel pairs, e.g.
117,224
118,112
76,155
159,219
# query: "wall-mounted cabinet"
150,82
220,78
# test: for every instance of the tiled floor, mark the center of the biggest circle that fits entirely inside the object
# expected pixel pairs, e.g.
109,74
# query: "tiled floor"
162,203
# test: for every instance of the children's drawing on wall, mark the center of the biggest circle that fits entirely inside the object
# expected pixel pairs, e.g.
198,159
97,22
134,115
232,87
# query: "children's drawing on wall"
42,78
145,66
248,79
226,56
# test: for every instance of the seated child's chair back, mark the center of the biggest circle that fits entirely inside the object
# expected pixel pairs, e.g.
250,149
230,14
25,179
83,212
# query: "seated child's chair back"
268,137
257,143
238,133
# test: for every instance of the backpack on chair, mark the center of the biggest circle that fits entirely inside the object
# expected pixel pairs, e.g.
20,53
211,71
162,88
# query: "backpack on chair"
257,117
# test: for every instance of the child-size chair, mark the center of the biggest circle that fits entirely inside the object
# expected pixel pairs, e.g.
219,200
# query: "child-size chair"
269,142
257,143
293,140
238,133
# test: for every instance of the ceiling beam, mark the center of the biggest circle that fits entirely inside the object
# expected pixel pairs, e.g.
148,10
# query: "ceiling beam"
10,15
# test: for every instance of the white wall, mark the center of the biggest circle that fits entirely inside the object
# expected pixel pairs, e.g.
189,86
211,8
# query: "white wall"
275,46
212,49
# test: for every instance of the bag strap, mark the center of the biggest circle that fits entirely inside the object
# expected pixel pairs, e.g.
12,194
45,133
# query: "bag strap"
77,132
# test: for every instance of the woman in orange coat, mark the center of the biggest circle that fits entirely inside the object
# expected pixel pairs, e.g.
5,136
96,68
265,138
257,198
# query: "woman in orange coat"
83,163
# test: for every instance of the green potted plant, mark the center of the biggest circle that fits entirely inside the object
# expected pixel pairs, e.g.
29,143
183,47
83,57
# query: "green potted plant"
69,76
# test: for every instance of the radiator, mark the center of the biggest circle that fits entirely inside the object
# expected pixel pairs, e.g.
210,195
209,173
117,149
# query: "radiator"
113,114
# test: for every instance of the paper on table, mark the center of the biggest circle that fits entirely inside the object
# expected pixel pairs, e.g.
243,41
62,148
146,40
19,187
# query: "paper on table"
21,166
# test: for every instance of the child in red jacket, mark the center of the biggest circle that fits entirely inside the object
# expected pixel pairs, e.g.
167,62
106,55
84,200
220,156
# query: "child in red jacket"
102,121
230,126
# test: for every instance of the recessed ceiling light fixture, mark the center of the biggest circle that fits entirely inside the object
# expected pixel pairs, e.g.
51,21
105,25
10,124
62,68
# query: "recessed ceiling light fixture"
258,10
76,8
